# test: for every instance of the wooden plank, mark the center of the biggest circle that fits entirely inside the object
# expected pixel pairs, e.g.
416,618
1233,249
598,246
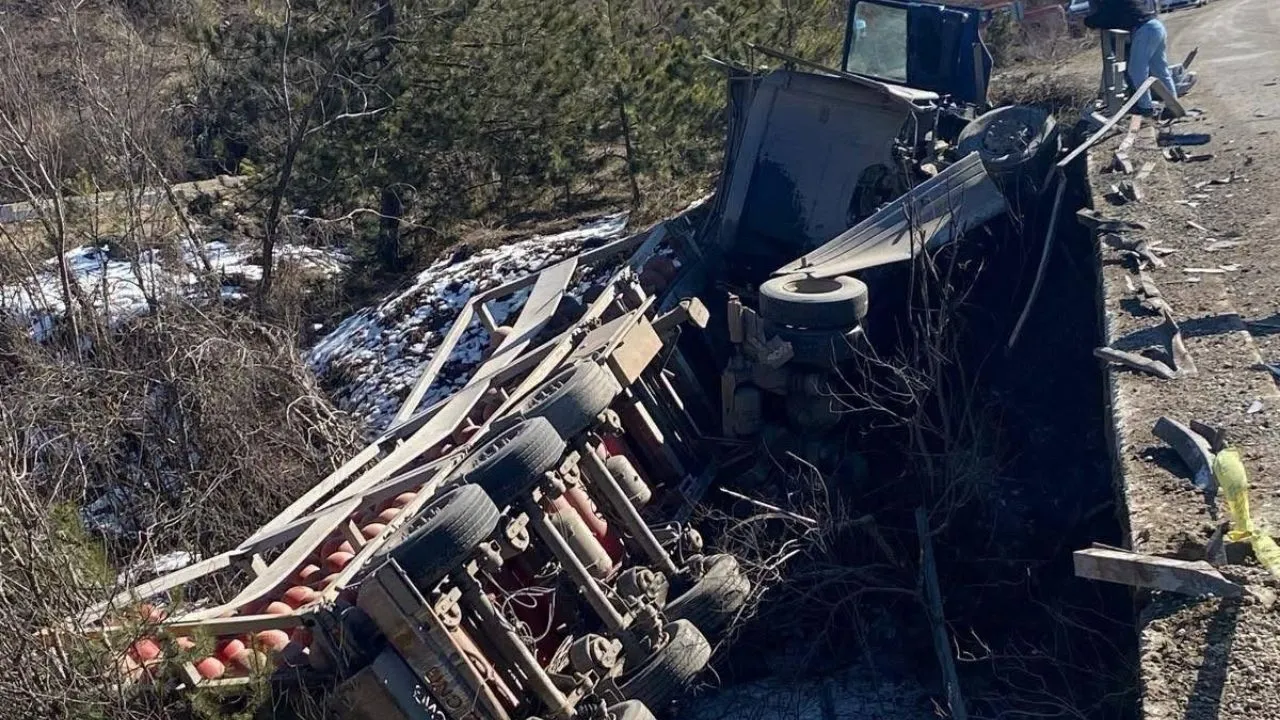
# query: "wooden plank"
317,493
161,584
1106,127
536,313
633,354
933,606
445,349
187,625
371,548
1148,571
388,489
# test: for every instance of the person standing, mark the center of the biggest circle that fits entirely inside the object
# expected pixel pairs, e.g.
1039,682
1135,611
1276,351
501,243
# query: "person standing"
1148,41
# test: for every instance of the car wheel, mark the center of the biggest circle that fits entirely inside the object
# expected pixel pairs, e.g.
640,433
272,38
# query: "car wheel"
1014,142
445,533
511,463
573,398
669,671
819,303
713,601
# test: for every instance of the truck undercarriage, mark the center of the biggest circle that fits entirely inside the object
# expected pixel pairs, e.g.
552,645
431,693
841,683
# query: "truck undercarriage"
525,547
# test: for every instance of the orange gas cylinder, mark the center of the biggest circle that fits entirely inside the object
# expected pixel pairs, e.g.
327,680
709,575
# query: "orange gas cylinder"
226,650
307,572
210,668
144,650
271,640
299,595
334,562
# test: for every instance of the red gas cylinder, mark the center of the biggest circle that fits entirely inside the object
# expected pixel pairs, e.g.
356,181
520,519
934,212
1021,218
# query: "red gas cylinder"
609,540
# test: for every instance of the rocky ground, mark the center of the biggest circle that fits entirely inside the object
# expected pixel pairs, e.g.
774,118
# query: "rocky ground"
1214,222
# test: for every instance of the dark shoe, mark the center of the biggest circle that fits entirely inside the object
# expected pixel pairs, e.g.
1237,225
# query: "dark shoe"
1145,112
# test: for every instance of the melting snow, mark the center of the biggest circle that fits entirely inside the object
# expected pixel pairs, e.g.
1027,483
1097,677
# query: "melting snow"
120,287
374,357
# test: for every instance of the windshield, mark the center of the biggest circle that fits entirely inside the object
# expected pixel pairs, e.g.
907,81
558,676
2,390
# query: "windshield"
878,45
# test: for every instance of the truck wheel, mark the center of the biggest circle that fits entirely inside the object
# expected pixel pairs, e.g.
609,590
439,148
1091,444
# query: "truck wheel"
445,533
671,668
629,710
1017,141
573,398
819,303
715,599
514,460
822,348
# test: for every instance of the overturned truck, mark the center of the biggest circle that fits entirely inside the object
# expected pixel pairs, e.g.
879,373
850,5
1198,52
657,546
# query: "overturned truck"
524,547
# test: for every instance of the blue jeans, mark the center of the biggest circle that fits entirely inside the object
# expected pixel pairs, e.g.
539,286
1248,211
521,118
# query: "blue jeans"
1147,57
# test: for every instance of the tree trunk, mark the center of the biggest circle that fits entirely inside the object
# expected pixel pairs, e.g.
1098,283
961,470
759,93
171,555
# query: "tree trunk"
626,139
391,210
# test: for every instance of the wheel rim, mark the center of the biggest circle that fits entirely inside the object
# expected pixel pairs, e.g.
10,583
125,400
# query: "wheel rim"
811,286
1007,136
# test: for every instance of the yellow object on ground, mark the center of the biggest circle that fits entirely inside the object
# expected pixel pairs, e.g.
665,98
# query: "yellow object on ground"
1232,479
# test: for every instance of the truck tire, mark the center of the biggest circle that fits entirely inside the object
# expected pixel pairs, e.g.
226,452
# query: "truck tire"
817,303
668,672
819,348
629,710
513,461
573,398
445,533
713,601
1016,141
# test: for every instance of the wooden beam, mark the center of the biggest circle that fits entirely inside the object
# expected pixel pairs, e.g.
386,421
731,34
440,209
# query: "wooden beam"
1149,571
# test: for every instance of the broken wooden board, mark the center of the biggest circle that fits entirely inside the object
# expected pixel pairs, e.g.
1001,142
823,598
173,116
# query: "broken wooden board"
1156,573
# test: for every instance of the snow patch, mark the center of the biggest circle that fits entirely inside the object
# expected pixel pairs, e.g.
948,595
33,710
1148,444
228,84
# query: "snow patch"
124,287
372,359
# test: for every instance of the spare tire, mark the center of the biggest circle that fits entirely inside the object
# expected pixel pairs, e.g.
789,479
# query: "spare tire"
820,348
818,303
1013,141
514,460
669,671
444,533
572,399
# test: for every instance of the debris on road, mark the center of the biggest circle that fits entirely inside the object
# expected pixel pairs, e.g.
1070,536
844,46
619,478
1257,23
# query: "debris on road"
1149,571
1194,450
1168,362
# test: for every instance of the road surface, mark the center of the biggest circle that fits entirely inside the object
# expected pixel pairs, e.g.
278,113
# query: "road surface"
1239,44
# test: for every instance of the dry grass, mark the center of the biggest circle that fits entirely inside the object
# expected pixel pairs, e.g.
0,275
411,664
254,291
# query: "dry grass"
181,430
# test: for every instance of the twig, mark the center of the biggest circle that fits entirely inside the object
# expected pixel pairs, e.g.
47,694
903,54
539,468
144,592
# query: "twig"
1044,260
767,506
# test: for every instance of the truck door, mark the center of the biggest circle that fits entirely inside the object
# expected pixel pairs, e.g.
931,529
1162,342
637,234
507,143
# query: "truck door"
920,45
